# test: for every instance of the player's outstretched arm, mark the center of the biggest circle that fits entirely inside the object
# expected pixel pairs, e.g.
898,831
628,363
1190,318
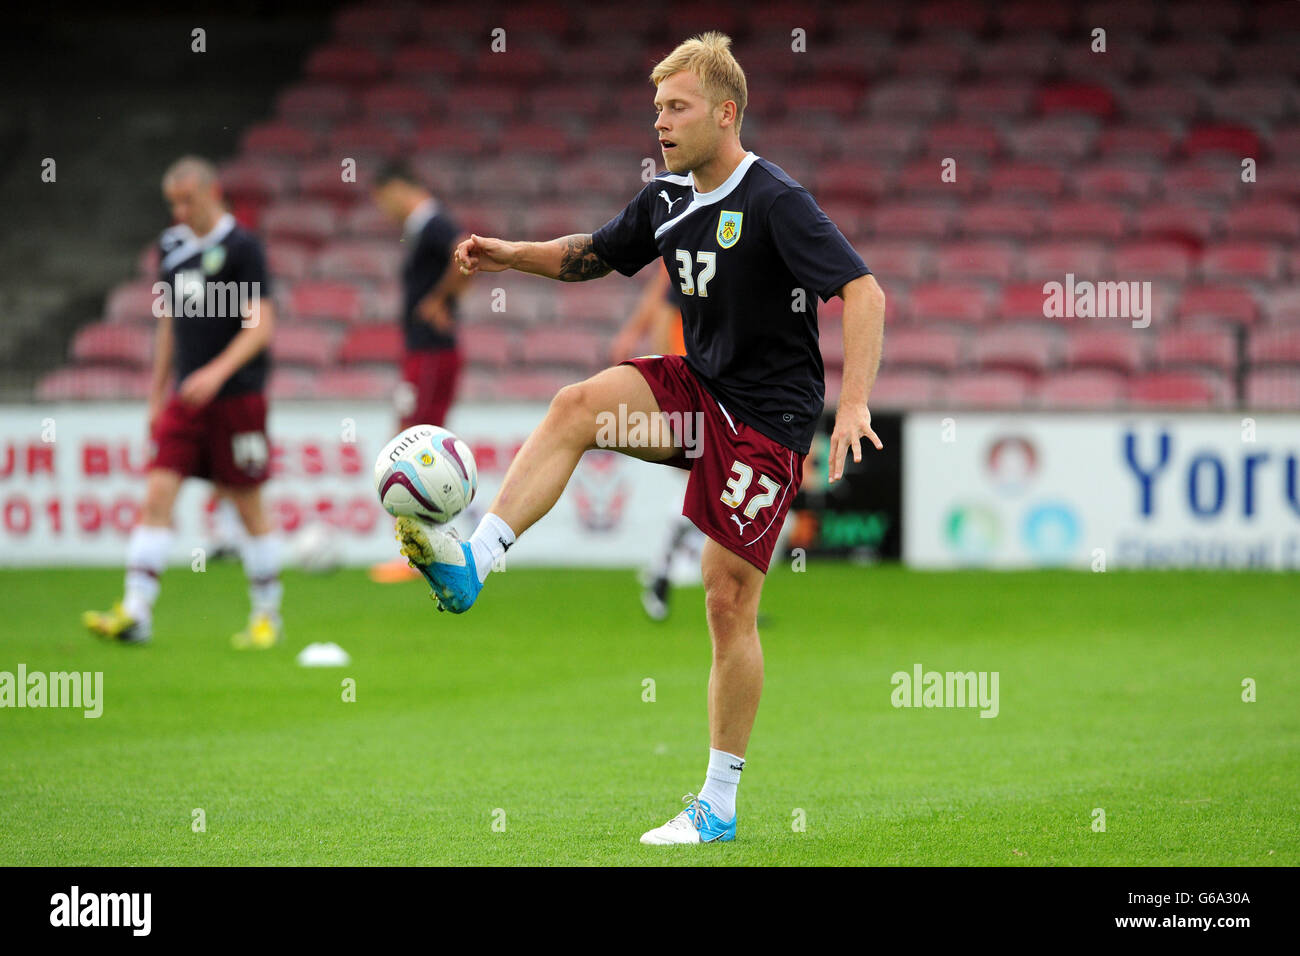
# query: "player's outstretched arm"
569,258
864,333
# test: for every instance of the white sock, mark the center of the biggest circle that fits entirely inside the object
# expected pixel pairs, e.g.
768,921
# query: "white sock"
261,555
146,556
720,783
227,527
489,543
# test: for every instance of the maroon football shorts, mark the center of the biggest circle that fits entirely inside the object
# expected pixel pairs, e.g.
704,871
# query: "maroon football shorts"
742,482
223,441
431,374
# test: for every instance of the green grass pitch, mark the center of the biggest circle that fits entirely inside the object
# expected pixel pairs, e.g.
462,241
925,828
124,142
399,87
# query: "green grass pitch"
1119,691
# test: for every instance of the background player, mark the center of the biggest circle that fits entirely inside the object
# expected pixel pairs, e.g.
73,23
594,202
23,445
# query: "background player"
430,289
214,425
752,252
658,318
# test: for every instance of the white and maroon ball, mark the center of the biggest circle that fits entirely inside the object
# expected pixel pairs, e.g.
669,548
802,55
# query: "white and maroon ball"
426,472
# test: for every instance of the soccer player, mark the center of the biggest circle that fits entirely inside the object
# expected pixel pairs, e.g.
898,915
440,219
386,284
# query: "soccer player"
658,316
430,289
751,252
213,425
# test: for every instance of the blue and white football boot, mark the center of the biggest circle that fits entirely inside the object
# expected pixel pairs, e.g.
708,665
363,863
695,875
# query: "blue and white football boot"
696,824
446,562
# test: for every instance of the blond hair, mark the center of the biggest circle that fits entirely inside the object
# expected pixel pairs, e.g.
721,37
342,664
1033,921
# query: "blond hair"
709,57
186,166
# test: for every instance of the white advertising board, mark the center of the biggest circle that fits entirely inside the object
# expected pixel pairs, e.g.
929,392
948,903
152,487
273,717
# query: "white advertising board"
72,480
1142,490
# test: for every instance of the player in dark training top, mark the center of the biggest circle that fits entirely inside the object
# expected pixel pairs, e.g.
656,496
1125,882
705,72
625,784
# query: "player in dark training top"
215,318
751,253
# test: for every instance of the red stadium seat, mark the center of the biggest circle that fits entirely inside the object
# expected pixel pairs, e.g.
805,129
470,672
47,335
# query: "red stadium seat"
978,259
1141,141
1088,99
1152,260
307,222
353,259
544,140
950,15
424,61
369,138
950,302
131,302
923,178
287,261
250,180
1242,260
309,103
560,346
1180,390
911,99
986,390
1254,101
354,383
521,67
939,349
106,342
304,345
1275,347
1179,59
1081,389
488,346
1283,305
365,221
1023,348
1206,348
278,139
1019,57
1114,181
1022,301
894,260
538,385
840,101
962,140
1019,220
345,63
595,302
916,220
993,99
1229,139
1213,182
1088,220
852,178
289,384
932,57
1274,389
1201,16
1053,141
1026,179
1219,303
324,181
1115,349
1051,261
336,301
372,343
93,383
1024,15
899,390
876,139
1270,57
515,298
1187,223
1263,220
1158,102
399,100
1130,16
1117,65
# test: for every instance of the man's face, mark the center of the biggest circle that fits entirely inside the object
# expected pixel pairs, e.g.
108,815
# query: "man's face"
688,129
192,202
391,200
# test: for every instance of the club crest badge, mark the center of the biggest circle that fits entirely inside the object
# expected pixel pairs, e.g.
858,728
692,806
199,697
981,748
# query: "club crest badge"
729,228
214,259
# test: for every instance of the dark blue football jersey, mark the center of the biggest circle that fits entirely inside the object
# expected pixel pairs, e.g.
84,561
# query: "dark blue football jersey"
426,262
207,277
750,260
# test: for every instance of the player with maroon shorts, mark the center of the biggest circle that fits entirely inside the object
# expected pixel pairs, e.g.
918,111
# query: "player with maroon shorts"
751,253
213,426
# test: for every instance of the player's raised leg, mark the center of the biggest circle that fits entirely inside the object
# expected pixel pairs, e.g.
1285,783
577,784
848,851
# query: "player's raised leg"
261,555
131,620
732,588
574,423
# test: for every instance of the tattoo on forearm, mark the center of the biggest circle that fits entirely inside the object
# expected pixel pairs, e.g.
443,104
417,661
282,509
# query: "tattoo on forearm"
579,262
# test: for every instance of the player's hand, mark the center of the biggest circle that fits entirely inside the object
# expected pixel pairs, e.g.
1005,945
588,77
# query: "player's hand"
201,386
480,254
852,424
433,310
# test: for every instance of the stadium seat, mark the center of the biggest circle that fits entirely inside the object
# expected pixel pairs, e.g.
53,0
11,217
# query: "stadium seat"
310,223
1112,181
1016,56
947,16
375,24
333,301
910,99
985,390
1021,302
1204,348
347,63
1024,348
594,302
1259,100
359,259
1051,261
548,141
364,220
369,138
895,260
978,259
487,346
289,384
876,139
852,178
93,383
323,181
950,302
372,343
131,302
1263,220
310,104
277,139
1152,260
932,58
398,100
937,349
560,346
304,345
1116,66
287,261
1180,390
1088,220
962,139
836,100
1052,141
1179,59
1282,306
249,180
1232,261
912,219
1215,182
1009,180
1080,390
1228,139
1182,222
537,385
996,99
898,390
922,178
423,62
1087,99
1202,16
1140,141
1116,349
357,383
1274,347
1273,389
1218,303
106,342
